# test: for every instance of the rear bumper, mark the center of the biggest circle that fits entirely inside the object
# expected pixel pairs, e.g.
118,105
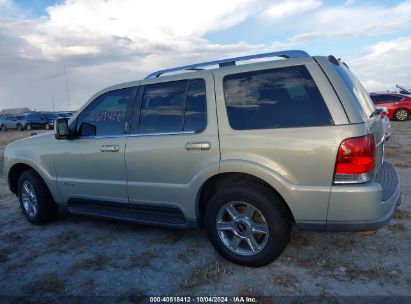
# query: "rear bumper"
367,207
361,207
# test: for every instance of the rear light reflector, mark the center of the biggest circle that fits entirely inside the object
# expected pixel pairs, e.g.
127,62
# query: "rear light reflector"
355,160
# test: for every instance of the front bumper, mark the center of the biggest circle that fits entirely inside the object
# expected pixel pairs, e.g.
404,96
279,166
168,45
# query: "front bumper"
366,206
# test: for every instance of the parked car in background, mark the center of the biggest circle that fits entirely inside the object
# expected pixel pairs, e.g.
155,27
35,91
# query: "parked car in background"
65,115
8,122
398,105
382,111
51,118
31,121
403,90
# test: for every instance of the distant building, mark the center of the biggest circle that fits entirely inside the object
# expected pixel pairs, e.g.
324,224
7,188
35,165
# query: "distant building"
14,111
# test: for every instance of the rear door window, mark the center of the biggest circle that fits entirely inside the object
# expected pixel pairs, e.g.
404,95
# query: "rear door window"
174,106
276,98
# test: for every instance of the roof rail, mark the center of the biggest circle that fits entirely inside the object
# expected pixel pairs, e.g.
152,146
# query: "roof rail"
231,61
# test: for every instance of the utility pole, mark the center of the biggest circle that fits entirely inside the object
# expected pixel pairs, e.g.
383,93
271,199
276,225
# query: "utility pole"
52,102
67,90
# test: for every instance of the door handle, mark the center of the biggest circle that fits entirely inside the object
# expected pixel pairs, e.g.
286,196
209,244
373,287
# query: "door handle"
109,148
203,145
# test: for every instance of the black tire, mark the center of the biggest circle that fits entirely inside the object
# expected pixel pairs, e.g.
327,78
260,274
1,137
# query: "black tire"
28,127
401,114
47,209
19,127
272,208
3,128
47,126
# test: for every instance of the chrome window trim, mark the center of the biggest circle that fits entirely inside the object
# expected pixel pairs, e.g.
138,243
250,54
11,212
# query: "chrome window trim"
138,135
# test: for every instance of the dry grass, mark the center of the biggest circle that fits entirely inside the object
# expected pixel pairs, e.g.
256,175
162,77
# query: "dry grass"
397,227
170,238
402,214
88,287
31,256
285,280
300,240
5,252
376,273
143,259
97,262
245,291
61,240
14,237
186,255
318,264
47,283
131,296
344,244
204,275
404,164
183,257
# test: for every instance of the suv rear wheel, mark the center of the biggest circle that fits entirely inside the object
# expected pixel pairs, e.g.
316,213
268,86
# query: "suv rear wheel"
3,128
19,127
401,114
47,126
28,127
248,224
35,199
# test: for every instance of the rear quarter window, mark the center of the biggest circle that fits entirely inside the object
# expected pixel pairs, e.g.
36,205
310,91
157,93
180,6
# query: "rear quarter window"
357,91
275,98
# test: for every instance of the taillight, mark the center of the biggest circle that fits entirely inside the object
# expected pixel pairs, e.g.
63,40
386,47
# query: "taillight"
355,160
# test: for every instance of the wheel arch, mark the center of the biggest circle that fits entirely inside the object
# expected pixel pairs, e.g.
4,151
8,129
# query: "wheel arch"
222,180
14,174
15,171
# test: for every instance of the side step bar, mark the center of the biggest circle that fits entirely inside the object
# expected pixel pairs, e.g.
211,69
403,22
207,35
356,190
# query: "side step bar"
141,214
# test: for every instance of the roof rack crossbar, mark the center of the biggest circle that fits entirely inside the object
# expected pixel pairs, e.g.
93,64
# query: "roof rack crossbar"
231,61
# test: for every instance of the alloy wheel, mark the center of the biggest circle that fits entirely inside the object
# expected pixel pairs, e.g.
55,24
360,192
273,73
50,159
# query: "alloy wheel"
29,199
401,114
242,228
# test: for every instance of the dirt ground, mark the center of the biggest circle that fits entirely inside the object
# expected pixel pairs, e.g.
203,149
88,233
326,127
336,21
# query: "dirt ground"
79,256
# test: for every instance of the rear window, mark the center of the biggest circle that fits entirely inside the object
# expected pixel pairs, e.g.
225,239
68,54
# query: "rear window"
276,98
358,92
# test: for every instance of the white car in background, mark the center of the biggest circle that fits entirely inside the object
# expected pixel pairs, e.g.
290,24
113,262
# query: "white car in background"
382,111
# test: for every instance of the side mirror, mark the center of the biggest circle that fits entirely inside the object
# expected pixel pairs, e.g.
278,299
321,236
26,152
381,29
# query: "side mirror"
87,129
61,129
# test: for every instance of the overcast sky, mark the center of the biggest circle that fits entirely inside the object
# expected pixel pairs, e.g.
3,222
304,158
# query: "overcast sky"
103,42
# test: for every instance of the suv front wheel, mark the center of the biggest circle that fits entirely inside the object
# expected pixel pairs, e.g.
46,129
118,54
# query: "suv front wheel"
248,224
35,199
